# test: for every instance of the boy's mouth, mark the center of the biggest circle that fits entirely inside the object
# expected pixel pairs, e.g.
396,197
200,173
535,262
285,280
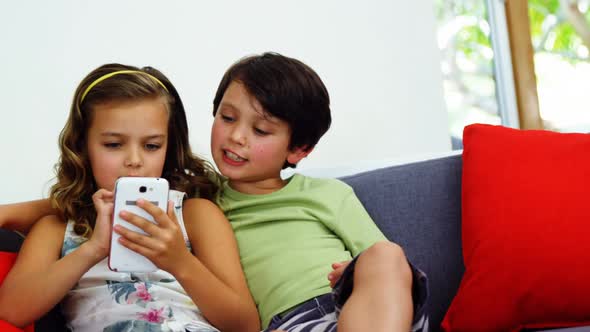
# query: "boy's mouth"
233,157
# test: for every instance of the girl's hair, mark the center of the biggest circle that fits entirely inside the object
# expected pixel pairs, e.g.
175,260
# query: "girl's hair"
72,193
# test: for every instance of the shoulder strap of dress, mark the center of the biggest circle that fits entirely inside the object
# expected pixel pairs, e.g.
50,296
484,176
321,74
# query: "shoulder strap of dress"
71,239
177,197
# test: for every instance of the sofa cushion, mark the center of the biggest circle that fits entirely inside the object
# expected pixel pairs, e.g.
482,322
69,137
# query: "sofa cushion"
526,231
418,206
10,241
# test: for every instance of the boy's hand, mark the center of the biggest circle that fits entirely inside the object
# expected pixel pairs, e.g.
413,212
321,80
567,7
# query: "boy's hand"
335,275
101,235
164,243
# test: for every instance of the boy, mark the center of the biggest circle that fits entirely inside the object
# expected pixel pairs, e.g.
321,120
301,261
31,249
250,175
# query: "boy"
270,111
313,258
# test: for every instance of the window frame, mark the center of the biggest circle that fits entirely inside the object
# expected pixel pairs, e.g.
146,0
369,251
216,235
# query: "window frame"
516,84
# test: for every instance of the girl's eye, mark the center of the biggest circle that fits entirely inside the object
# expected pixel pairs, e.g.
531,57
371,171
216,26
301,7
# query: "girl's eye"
227,118
152,147
112,145
260,132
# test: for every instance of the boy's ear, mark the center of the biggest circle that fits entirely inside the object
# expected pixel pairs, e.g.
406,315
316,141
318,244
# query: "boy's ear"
298,153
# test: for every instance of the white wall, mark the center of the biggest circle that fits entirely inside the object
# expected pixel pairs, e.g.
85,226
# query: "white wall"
378,59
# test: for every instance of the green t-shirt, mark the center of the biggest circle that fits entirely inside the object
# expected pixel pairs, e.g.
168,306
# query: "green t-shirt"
288,239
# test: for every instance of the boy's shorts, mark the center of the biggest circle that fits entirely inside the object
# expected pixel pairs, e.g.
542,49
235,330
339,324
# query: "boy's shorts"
320,314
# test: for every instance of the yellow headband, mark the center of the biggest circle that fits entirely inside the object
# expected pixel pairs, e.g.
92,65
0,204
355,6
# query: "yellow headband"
104,77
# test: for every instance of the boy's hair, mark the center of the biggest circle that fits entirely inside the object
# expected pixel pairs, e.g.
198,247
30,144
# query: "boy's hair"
287,89
72,193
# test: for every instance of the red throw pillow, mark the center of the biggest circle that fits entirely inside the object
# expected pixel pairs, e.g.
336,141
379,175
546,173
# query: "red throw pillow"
7,259
5,327
526,231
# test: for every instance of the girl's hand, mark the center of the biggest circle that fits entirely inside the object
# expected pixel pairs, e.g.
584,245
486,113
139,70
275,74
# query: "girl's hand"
164,243
101,235
335,275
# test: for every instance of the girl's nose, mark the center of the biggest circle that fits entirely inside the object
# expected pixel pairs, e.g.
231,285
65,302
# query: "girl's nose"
134,158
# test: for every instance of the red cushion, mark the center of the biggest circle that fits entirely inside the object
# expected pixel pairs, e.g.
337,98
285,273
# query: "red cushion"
526,231
7,259
5,327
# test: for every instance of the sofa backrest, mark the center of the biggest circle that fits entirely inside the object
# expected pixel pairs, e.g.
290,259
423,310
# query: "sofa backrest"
418,206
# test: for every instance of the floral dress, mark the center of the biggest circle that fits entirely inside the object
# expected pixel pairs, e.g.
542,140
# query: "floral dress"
104,300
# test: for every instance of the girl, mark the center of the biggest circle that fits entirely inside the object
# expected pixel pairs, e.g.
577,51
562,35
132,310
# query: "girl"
126,121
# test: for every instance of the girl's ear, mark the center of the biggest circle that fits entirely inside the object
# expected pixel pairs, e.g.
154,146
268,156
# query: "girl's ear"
298,153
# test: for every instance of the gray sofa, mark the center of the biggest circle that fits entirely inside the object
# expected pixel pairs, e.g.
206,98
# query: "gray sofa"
417,205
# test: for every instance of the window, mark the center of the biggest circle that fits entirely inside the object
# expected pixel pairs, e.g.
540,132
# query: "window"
467,63
560,33
479,85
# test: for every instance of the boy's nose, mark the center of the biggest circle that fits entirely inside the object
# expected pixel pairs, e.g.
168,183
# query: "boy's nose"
238,136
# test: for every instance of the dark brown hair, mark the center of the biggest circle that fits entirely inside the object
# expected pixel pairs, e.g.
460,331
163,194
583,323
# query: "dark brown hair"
287,89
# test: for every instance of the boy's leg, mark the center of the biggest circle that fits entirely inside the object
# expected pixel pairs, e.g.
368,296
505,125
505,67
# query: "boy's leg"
382,294
315,315
353,297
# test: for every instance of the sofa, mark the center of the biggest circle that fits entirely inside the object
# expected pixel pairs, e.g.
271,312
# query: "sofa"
417,205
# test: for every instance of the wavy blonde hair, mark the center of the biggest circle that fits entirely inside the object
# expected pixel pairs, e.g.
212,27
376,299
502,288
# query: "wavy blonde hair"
72,193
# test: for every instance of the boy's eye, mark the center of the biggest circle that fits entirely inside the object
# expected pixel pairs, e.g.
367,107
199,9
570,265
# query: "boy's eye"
112,145
227,118
260,132
152,146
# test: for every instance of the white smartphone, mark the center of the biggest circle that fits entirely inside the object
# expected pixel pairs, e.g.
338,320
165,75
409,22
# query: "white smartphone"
127,191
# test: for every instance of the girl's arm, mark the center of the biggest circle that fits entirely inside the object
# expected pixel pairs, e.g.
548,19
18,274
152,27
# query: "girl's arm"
220,291
21,216
39,279
214,280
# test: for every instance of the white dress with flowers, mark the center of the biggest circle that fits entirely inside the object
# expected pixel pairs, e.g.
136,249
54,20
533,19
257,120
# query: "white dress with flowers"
104,300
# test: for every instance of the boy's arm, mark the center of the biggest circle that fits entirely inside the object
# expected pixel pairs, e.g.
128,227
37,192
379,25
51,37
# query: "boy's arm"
21,216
